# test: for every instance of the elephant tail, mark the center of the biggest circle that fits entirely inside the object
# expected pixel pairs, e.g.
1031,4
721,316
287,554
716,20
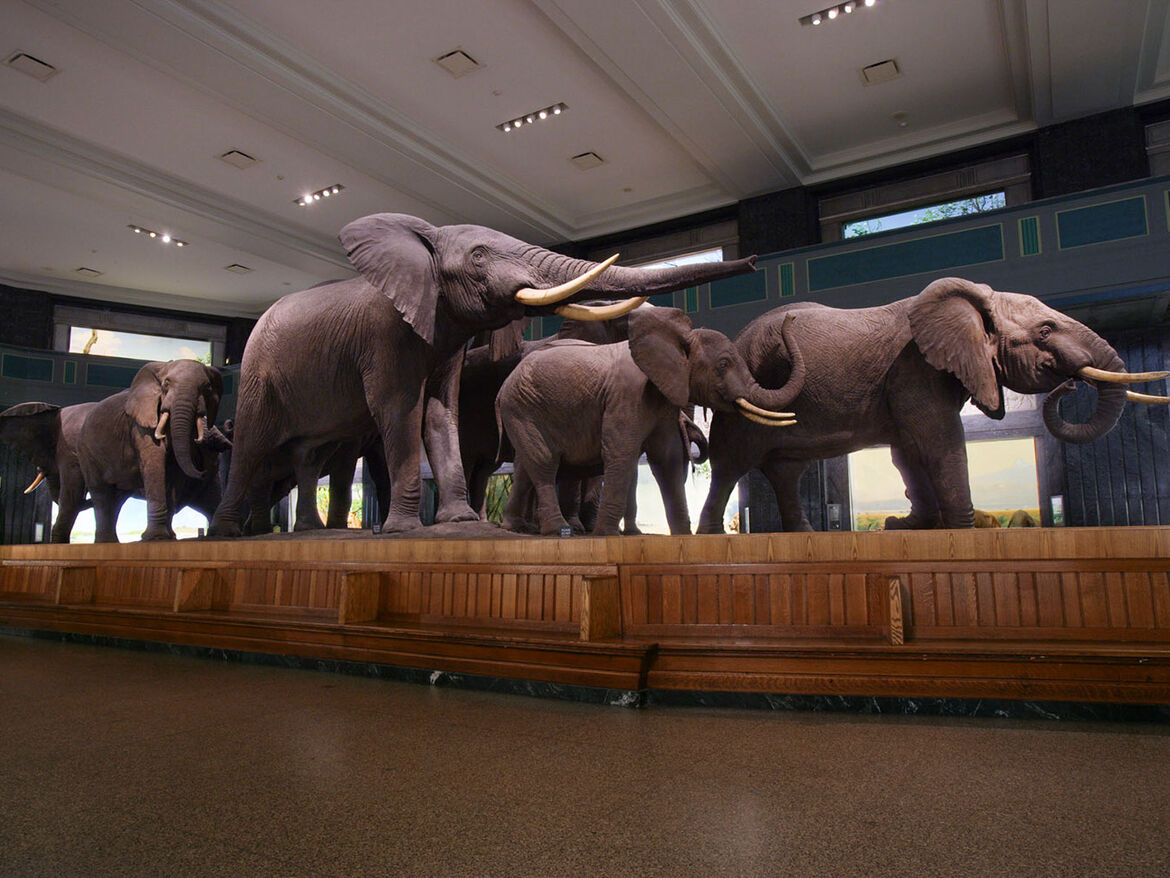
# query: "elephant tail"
504,449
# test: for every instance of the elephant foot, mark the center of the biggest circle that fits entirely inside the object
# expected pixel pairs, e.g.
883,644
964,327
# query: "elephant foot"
553,527
517,525
710,526
633,531
224,527
398,523
911,522
455,512
157,534
313,523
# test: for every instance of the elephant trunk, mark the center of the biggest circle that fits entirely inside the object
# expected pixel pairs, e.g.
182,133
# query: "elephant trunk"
618,281
781,398
182,442
1110,402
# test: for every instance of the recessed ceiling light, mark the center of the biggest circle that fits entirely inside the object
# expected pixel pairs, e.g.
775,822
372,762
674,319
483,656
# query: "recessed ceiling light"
161,237
310,197
237,268
88,272
587,160
34,67
883,71
458,63
238,159
533,117
834,13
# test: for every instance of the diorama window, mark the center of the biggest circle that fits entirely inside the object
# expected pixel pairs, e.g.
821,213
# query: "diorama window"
933,213
714,254
136,345
1003,473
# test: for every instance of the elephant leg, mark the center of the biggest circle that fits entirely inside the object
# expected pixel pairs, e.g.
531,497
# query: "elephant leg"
630,515
106,505
518,514
400,425
341,471
441,435
784,476
729,463
307,517
590,502
670,472
621,468
375,465
541,467
924,507
569,499
152,461
477,484
69,504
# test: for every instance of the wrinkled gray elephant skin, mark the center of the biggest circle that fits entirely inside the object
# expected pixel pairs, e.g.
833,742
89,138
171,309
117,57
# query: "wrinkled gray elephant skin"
156,440
387,347
899,374
47,435
575,404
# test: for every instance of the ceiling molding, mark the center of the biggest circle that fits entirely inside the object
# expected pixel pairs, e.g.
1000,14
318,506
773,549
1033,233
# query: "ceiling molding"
648,212
1013,31
280,64
125,295
1039,59
53,146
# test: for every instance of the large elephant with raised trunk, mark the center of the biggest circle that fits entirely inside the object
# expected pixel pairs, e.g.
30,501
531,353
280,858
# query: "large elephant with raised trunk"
899,374
157,440
388,346
577,405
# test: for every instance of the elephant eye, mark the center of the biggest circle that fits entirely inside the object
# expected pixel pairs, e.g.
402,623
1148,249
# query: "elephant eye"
479,256
1045,331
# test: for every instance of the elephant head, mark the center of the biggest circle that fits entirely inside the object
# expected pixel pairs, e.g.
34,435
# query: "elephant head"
171,398
483,279
32,430
990,340
704,367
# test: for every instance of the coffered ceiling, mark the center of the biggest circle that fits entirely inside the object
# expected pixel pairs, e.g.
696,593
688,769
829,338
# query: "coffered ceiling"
689,104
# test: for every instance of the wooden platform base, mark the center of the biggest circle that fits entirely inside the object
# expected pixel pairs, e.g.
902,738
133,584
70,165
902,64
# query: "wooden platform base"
1073,615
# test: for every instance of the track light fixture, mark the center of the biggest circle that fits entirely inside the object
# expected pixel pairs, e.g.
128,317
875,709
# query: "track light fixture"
161,237
534,116
312,197
835,12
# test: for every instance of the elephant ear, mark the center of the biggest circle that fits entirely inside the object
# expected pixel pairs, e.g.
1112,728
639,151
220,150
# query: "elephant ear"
952,324
395,253
143,396
505,341
659,345
32,429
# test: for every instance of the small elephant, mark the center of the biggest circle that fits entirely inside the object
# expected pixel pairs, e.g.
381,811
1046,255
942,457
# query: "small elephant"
899,374
578,405
154,440
48,436
388,346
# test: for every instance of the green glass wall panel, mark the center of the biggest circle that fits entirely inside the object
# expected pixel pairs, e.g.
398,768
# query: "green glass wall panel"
26,368
692,300
739,290
933,253
100,375
787,279
1101,222
1030,236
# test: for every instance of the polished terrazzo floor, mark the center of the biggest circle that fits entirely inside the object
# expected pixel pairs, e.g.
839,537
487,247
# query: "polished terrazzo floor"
118,762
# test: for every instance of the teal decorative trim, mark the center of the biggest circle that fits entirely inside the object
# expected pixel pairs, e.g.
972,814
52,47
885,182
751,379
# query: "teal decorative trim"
787,279
24,368
99,375
662,300
229,384
530,329
550,324
692,300
928,254
70,371
1097,223
739,290
1030,236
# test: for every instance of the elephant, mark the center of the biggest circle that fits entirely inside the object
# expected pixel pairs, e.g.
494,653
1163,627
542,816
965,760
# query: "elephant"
575,404
898,374
48,436
388,346
154,440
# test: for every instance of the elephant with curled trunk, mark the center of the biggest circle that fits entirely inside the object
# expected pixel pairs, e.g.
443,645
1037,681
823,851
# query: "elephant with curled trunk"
157,440
899,374
578,405
388,346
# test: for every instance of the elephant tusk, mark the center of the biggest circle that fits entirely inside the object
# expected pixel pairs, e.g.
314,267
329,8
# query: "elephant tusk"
200,429
551,296
1147,398
746,407
1121,377
767,423
595,313
40,478
162,425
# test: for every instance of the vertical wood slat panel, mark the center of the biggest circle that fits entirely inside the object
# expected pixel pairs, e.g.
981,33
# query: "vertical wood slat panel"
672,599
1007,599
1139,600
726,599
1115,600
798,590
985,595
1050,610
1027,591
743,598
836,599
1160,586
817,585
762,611
856,607
1094,606
922,602
780,588
708,599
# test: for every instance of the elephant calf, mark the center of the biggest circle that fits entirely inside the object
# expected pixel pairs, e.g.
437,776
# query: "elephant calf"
579,405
